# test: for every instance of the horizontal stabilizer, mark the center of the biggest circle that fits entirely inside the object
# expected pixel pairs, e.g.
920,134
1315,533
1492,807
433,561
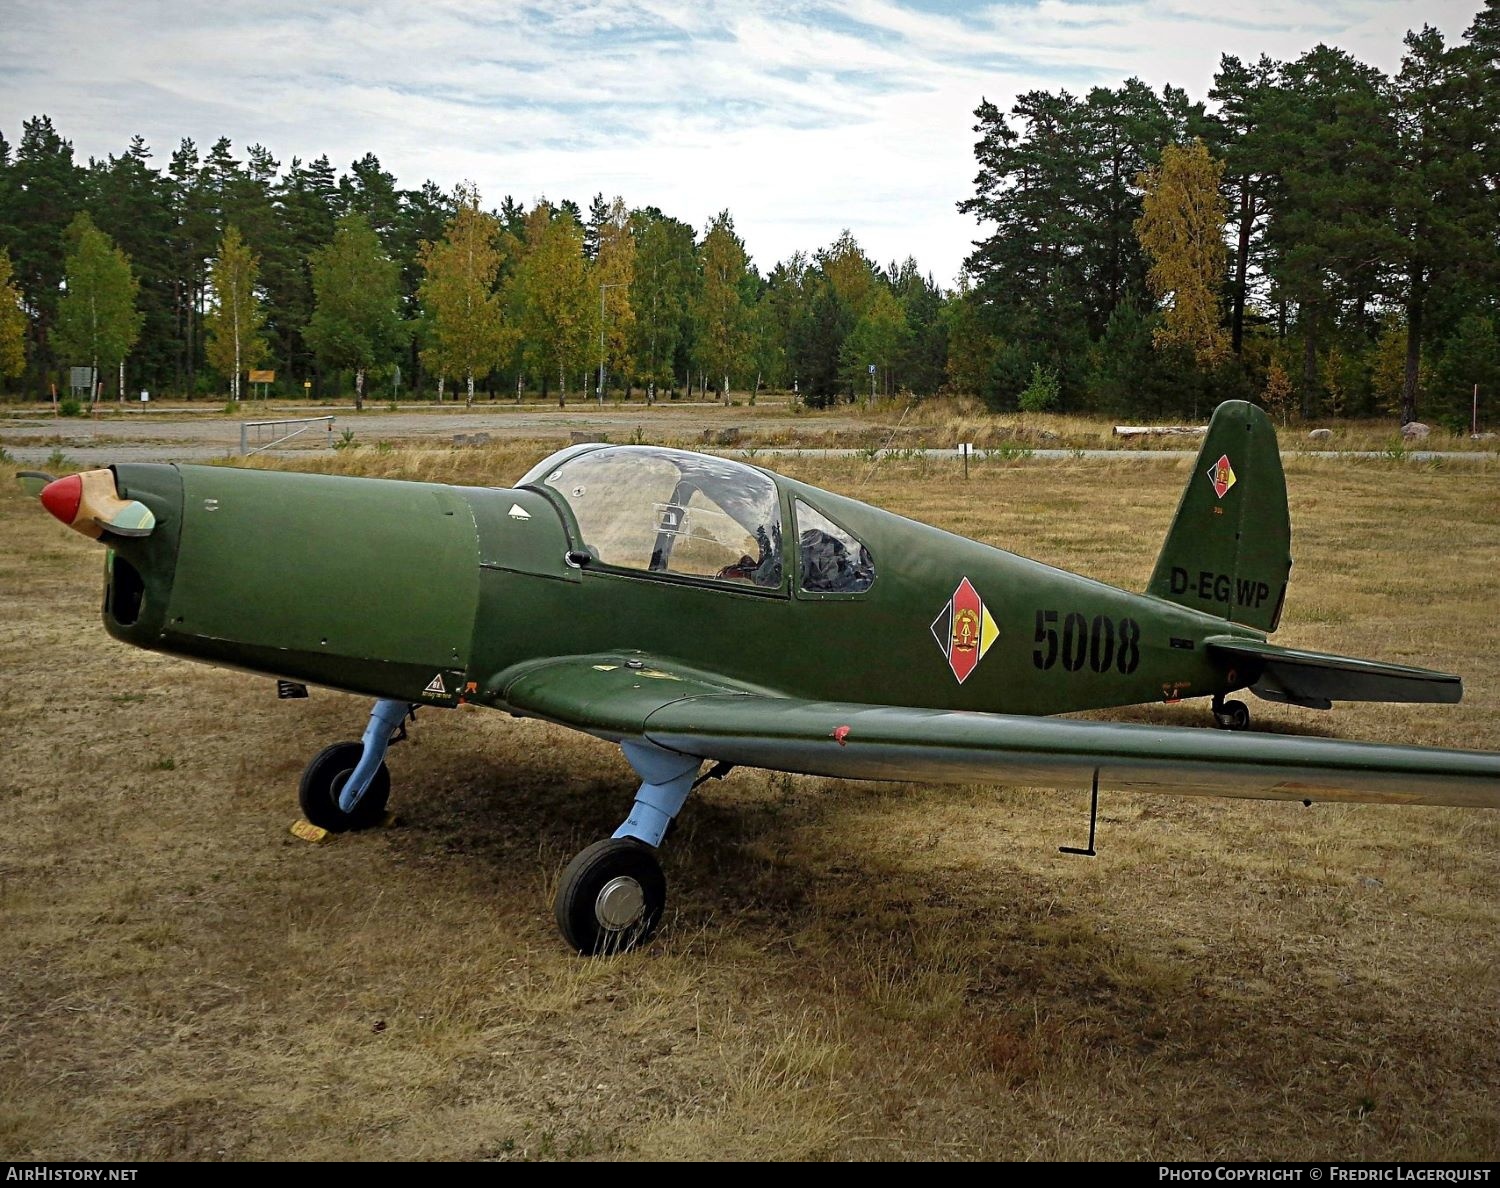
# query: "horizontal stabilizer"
1317,679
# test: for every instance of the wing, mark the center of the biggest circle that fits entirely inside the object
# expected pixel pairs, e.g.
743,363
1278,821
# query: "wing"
1317,679
699,714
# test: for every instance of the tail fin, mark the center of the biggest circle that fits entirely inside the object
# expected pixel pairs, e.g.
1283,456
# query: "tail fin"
1229,550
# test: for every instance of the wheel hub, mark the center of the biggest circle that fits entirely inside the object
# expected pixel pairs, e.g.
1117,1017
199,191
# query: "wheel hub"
621,903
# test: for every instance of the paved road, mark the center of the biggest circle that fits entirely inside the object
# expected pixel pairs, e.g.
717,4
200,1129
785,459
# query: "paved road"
187,438
220,435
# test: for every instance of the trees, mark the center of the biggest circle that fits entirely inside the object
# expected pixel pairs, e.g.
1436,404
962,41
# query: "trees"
44,193
131,203
1333,140
920,363
1470,358
1059,188
356,322
720,315
1181,229
12,323
614,273
1445,206
662,293
306,201
970,347
1239,131
877,340
549,297
97,319
235,319
466,330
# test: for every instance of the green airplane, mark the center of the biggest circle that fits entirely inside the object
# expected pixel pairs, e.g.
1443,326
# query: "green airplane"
700,610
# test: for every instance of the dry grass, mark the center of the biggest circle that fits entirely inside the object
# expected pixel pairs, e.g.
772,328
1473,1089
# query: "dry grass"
849,971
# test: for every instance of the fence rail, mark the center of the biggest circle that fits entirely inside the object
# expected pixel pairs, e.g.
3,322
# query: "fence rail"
308,424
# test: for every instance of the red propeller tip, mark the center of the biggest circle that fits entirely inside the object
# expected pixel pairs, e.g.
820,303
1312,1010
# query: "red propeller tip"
62,496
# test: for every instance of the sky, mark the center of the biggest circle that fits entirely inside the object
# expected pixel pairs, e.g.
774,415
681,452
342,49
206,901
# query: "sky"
802,117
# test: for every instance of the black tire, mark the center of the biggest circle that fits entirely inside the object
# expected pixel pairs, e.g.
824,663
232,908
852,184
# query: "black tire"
581,903
324,779
1232,715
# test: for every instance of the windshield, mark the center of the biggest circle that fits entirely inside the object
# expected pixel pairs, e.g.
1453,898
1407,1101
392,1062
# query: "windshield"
668,511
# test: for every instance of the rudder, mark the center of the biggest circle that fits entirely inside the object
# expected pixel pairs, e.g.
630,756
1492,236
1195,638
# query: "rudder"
1229,550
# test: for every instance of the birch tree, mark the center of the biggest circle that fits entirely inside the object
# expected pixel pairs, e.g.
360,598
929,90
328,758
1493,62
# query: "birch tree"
97,318
236,318
356,286
550,297
661,293
466,330
722,338
613,274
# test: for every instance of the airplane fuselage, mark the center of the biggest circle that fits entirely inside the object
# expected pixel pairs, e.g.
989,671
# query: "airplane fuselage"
431,593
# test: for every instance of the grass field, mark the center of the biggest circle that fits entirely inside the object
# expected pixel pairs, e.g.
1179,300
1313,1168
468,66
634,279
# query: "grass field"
848,971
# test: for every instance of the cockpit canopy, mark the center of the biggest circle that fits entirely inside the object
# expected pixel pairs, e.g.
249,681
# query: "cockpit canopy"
669,511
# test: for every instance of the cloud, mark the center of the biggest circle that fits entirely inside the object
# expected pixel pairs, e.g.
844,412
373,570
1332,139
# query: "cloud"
802,117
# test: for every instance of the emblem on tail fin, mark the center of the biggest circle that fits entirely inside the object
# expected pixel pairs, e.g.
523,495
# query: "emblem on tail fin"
1221,475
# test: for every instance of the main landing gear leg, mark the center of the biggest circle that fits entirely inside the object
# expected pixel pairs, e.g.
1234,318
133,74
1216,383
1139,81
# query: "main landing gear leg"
346,786
611,896
1230,715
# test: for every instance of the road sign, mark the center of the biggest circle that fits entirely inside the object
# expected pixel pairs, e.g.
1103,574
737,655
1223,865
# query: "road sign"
262,377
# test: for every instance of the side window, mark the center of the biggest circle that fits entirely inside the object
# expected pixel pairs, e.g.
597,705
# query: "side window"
832,561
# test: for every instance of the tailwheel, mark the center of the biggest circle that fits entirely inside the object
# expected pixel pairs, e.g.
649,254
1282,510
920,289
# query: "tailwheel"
1231,715
610,898
324,779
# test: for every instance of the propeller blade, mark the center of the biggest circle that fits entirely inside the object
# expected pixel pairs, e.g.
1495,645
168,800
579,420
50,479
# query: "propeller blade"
32,481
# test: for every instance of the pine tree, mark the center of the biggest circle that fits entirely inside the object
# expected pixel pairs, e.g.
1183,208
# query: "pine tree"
235,320
132,203
1329,234
45,192
1239,132
970,346
1469,358
1445,198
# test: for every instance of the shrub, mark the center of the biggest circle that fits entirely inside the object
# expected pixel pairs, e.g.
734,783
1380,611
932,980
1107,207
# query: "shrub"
1043,392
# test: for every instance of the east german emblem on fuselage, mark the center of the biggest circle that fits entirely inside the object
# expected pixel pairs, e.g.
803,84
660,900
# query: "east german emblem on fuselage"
965,630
